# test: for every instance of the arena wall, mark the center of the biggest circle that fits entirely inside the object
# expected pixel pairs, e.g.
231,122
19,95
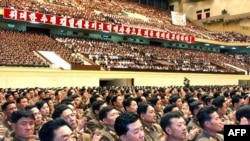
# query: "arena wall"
43,77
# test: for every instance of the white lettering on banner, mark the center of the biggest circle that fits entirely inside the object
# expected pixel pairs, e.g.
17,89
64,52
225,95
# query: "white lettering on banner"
93,25
186,38
23,15
121,29
33,17
139,32
162,35
86,25
168,35
109,27
128,30
72,22
53,19
157,34
133,31
79,23
182,37
146,32
44,18
99,26
13,14
177,37
63,21
115,28
151,33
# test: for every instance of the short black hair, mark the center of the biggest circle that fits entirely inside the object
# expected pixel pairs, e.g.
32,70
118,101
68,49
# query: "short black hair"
104,112
46,133
20,114
204,114
40,104
59,110
122,122
166,119
243,111
169,108
6,104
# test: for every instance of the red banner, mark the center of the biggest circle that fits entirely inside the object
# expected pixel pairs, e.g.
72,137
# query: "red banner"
23,15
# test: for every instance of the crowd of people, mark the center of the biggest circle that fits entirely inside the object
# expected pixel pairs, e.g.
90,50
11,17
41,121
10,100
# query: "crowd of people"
20,48
136,56
119,12
140,113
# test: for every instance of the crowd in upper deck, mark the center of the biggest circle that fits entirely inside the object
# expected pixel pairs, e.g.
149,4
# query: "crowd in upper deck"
119,12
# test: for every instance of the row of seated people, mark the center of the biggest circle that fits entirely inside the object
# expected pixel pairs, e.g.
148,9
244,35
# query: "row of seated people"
137,56
117,12
160,113
17,48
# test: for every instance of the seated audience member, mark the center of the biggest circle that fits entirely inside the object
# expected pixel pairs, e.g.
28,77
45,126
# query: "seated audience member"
243,115
65,112
23,125
211,124
128,127
8,108
147,115
108,116
130,105
194,108
174,125
56,130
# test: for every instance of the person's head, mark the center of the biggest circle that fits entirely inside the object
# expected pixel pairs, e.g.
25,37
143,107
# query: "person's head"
237,101
220,103
108,116
9,97
56,130
21,102
209,119
129,128
37,114
156,102
98,105
8,108
174,125
195,107
176,99
43,107
117,101
243,112
130,105
170,108
65,112
23,124
146,113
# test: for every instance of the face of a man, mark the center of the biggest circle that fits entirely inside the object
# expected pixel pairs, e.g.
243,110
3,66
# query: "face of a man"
111,117
70,117
24,128
135,132
178,129
23,103
149,116
10,109
63,133
215,124
133,107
